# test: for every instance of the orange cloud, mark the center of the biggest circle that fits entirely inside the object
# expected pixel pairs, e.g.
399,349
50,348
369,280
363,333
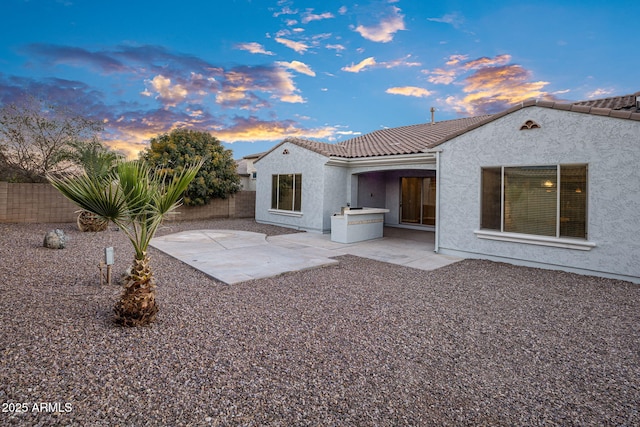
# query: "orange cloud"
297,46
494,89
252,129
418,92
368,62
292,98
240,85
599,93
384,31
454,59
129,149
441,76
299,67
401,62
487,62
491,84
134,137
253,47
168,93
371,62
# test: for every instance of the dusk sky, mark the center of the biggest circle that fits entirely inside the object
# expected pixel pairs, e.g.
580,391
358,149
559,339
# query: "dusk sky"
255,72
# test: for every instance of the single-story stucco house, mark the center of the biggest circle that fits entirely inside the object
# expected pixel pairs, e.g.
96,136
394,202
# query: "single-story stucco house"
545,184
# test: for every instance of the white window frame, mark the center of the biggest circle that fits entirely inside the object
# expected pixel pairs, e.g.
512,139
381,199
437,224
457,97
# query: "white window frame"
533,239
287,212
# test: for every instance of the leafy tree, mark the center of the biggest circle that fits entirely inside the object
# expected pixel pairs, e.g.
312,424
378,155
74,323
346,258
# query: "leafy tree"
217,178
136,200
36,138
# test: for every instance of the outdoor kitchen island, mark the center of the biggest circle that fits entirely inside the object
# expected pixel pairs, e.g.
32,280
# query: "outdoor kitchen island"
357,224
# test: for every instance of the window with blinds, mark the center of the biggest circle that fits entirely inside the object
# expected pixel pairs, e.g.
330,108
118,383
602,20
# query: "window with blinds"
539,200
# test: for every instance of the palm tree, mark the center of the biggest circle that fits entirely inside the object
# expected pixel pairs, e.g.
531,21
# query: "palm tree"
136,199
98,161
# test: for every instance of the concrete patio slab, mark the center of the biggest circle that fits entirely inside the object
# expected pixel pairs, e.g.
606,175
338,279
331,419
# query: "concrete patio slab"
416,251
233,256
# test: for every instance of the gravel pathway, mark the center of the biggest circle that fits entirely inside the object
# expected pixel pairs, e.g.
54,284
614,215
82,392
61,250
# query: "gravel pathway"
362,343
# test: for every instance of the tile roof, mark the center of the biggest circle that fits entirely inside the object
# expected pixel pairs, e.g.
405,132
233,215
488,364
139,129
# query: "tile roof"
393,141
625,102
421,137
323,148
405,139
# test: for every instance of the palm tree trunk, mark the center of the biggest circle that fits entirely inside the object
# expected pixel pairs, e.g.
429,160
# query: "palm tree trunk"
137,306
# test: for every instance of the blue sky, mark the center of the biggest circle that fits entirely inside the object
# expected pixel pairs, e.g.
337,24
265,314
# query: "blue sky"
255,72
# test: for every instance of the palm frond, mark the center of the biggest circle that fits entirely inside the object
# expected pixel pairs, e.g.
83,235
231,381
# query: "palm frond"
167,199
96,195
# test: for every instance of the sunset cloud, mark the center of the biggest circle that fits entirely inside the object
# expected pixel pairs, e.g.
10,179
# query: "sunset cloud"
454,59
599,93
496,88
255,129
453,19
489,84
175,79
401,62
442,76
285,11
417,92
372,63
486,62
170,94
356,68
336,47
253,47
299,67
308,16
132,136
299,47
103,61
240,87
384,31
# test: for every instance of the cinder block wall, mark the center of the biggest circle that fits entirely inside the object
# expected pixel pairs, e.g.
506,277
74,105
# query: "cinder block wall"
240,205
40,203
31,203
245,204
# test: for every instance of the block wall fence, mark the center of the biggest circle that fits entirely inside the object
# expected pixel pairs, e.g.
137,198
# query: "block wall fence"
41,203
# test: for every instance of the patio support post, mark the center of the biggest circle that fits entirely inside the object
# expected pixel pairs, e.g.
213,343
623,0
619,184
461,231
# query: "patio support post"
437,236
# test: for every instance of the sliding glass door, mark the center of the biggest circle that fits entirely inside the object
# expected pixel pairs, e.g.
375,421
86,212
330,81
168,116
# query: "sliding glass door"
418,200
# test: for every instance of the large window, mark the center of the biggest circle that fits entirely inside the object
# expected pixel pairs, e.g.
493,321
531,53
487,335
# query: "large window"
286,192
539,200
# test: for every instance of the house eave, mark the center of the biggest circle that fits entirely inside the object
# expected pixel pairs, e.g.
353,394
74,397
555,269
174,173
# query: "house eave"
390,160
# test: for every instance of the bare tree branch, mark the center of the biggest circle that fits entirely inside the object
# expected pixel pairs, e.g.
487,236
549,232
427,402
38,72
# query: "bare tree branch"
35,138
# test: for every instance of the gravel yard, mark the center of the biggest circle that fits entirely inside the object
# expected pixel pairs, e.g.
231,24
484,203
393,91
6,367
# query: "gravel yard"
362,343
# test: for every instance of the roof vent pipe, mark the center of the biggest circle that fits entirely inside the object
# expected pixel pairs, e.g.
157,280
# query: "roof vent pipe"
433,115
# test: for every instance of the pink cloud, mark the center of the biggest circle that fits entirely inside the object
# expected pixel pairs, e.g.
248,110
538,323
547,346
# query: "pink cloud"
383,31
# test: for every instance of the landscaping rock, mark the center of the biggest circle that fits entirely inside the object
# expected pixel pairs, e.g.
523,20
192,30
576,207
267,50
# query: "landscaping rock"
55,239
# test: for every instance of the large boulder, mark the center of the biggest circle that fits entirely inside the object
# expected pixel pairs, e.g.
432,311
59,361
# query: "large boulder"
55,239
